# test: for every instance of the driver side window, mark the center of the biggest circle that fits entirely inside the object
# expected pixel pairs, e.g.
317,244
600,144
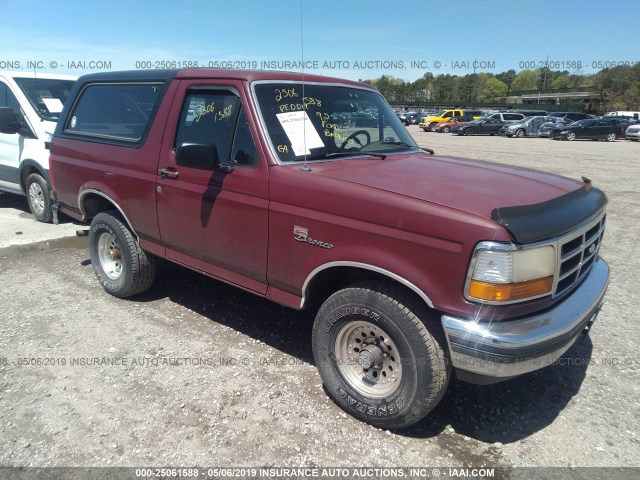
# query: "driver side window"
209,117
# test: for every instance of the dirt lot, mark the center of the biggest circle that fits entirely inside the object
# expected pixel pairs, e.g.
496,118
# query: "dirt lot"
198,373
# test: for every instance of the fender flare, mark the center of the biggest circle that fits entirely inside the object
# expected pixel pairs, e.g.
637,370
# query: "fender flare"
94,191
364,266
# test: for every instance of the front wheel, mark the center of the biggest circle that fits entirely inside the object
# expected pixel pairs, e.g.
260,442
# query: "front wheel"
122,267
520,133
376,356
469,131
38,197
571,136
433,127
446,129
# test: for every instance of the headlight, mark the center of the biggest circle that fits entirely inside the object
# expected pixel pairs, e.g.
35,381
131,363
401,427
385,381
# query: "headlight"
501,273
564,131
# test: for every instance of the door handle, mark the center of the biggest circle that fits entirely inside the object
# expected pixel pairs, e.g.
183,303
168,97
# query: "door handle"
168,173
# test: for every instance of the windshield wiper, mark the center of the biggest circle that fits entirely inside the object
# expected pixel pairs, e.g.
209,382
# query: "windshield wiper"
405,144
324,156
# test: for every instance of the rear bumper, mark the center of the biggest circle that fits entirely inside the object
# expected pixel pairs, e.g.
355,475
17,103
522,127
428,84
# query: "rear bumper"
485,352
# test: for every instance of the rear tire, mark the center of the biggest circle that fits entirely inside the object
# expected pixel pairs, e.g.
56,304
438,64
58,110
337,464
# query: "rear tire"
122,267
39,197
377,358
611,137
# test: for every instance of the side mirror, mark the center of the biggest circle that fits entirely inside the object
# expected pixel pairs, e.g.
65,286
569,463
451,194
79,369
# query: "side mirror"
200,155
8,122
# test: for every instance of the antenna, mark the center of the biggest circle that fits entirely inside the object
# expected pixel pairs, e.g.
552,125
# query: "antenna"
304,168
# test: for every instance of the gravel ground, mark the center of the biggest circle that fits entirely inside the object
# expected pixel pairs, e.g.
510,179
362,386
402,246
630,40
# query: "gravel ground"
196,372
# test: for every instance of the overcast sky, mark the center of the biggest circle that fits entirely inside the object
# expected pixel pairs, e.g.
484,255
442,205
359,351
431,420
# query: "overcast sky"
355,39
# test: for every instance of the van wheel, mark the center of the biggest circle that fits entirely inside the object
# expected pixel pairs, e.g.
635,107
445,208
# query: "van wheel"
611,137
520,133
39,198
377,358
122,267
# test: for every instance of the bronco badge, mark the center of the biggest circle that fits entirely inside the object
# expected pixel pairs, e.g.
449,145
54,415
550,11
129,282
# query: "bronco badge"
301,234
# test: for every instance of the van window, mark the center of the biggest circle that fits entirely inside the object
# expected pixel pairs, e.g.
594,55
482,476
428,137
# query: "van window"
112,111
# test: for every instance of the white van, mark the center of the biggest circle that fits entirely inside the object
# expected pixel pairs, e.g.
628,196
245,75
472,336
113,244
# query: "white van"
635,115
30,104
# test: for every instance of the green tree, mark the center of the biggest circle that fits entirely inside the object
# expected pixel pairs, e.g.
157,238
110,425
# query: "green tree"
525,80
562,81
507,77
493,89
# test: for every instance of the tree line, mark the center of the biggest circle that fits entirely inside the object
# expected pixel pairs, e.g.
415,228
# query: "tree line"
617,88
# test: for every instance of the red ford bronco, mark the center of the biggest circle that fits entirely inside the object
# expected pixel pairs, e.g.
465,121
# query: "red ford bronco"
309,190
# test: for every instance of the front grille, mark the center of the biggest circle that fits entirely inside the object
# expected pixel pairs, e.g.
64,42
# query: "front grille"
576,253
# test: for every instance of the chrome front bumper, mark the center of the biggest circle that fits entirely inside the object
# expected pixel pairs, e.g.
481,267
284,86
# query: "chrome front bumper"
507,348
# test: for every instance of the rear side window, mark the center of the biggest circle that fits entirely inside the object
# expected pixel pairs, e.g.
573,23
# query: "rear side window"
114,111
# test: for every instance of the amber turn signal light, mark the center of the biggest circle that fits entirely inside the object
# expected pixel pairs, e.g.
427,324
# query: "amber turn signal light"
510,291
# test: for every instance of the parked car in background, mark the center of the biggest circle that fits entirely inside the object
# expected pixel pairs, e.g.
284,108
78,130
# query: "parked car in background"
411,118
529,127
531,113
483,126
552,126
591,129
507,116
445,127
633,132
573,116
430,122
29,108
620,123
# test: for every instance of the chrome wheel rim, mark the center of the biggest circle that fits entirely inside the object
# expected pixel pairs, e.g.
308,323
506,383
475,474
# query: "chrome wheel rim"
36,197
109,256
611,137
571,136
368,359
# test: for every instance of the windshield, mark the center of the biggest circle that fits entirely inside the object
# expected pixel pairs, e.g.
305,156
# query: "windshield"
328,120
46,95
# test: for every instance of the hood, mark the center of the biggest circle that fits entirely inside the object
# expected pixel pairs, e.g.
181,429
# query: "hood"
471,186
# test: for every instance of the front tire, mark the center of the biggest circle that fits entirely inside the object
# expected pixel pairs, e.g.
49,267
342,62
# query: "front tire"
39,198
446,129
520,133
433,127
122,267
571,136
469,131
377,358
